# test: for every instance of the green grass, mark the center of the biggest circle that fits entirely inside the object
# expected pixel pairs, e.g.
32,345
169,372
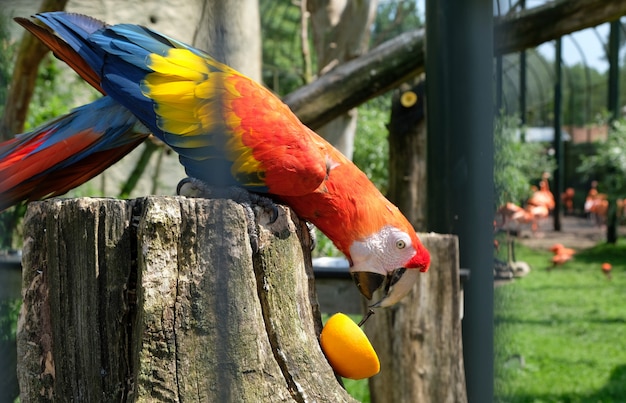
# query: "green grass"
358,389
561,334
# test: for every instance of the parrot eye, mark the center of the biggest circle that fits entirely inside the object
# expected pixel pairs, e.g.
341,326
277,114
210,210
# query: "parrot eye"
400,244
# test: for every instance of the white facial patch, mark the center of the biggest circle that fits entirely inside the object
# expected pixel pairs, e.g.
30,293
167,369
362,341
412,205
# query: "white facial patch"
382,252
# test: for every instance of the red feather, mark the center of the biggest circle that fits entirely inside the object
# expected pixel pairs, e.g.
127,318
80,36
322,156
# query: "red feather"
36,177
292,156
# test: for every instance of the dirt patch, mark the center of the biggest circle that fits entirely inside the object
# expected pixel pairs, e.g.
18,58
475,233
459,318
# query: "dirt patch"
576,232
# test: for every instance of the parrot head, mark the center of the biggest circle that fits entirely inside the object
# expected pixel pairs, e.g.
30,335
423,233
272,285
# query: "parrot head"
391,258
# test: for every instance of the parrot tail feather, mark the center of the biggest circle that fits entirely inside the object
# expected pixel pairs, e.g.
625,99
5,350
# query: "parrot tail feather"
63,51
66,152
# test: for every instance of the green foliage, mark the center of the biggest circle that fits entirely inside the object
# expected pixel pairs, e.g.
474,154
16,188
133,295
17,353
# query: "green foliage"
559,334
584,90
358,389
283,66
394,18
7,55
9,311
324,246
584,95
608,164
11,227
53,95
516,163
371,146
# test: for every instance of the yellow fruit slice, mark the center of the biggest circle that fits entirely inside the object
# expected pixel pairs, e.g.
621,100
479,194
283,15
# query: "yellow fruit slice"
348,349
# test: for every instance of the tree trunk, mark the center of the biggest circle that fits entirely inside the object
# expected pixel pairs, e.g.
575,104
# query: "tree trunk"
341,33
163,299
230,31
419,339
407,153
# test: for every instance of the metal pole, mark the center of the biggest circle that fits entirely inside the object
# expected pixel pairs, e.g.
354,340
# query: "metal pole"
459,85
522,80
557,185
522,86
613,101
499,86
614,109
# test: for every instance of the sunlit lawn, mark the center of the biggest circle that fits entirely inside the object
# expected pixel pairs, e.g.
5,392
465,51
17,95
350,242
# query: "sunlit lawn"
561,334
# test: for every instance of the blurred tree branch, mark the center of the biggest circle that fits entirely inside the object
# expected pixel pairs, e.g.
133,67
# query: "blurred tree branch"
401,58
534,26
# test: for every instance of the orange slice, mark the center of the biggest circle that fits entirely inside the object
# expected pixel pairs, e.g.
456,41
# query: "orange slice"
348,349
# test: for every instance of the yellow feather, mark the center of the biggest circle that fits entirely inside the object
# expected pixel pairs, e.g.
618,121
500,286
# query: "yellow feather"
206,89
178,127
232,120
172,88
169,112
192,98
166,66
187,59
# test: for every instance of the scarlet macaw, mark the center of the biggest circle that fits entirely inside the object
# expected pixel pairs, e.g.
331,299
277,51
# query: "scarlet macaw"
227,129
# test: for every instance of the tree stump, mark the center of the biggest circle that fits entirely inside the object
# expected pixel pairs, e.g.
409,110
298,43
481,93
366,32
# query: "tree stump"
162,299
418,340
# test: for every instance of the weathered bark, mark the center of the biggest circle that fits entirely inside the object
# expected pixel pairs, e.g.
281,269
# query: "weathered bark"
407,153
354,82
163,299
402,58
534,26
29,55
419,339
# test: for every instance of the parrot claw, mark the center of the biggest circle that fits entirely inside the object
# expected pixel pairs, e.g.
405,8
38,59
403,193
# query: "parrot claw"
192,187
266,204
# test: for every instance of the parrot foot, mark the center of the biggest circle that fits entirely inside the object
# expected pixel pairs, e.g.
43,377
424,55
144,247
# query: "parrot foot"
192,187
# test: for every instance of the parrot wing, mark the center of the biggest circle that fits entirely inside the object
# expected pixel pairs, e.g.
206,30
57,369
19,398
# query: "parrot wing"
227,129
66,152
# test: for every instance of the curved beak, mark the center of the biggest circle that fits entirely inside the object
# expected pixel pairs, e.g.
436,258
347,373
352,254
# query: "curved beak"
367,282
397,284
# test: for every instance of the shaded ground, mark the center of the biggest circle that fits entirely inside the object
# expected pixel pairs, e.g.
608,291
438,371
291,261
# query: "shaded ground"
576,232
